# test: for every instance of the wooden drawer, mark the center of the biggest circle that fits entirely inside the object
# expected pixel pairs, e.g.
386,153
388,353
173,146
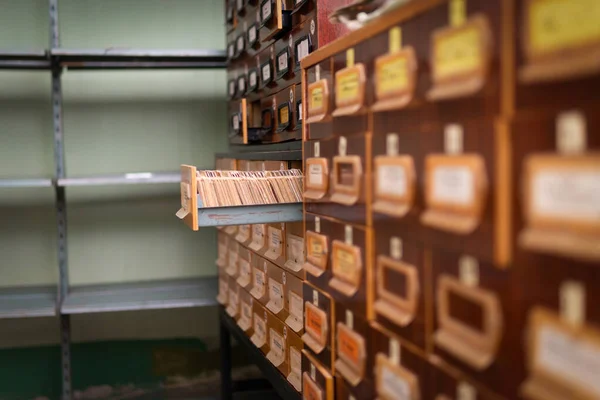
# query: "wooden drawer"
231,267
557,171
294,253
474,325
278,352
276,239
260,328
233,301
466,189
352,344
318,250
238,122
347,159
319,101
397,368
399,284
444,383
245,320
287,127
319,313
275,18
259,244
260,279
317,379
294,303
277,303
294,359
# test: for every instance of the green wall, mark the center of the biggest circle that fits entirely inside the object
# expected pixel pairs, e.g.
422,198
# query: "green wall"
114,121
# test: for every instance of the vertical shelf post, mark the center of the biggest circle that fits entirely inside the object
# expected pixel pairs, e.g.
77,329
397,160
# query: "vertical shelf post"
61,209
225,343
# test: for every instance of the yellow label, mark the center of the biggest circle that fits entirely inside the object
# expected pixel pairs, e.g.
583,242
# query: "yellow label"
316,248
346,263
350,58
347,86
392,75
316,98
458,53
284,115
560,24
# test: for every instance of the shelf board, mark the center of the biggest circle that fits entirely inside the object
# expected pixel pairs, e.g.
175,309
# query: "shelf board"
125,179
25,183
154,295
37,301
24,59
243,215
270,372
115,58
287,151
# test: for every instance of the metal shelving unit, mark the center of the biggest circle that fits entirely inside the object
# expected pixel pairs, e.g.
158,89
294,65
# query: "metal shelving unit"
48,301
154,295
286,151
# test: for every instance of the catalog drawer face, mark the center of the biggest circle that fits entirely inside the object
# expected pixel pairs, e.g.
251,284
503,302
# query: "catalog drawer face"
295,254
557,171
399,286
352,341
318,325
260,335
474,326
278,349
277,280
318,250
245,321
317,381
398,371
556,62
466,201
294,356
319,101
442,384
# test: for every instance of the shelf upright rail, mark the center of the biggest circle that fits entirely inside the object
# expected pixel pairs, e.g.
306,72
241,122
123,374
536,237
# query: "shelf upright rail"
61,205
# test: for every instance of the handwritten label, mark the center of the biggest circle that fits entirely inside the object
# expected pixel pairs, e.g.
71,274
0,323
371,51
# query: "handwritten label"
242,85
282,62
351,347
284,114
315,322
277,346
276,242
346,262
316,98
253,78
296,307
392,180
266,72
240,44
252,36
235,122
302,49
295,376
275,295
259,283
458,53
561,24
454,185
245,272
315,174
295,248
567,193
266,10
392,74
347,85
260,331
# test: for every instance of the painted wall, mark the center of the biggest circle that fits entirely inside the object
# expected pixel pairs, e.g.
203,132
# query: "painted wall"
120,121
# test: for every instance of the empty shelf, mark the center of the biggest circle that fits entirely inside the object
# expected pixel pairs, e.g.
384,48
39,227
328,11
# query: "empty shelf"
28,302
125,179
243,215
138,58
287,151
25,183
198,292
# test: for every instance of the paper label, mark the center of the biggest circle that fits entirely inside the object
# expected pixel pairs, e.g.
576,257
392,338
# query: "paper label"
253,79
266,72
572,195
350,347
315,174
295,364
240,5
242,85
244,232
276,294
295,248
346,263
266,10
392,74
302,49
245,270
392,180
246,314
260,329
259,285
299,111
296,307
258,235
277,345
569,358
454,185
282,62
315,321
230,50
276,242
284,114
240,44
458,53
347,85
393,385
231,88
316,98
236,122
316,246
561,24
252,34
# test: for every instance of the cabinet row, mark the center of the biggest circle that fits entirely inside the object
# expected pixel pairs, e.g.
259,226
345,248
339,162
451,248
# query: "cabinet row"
457,61
443,308
497,189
